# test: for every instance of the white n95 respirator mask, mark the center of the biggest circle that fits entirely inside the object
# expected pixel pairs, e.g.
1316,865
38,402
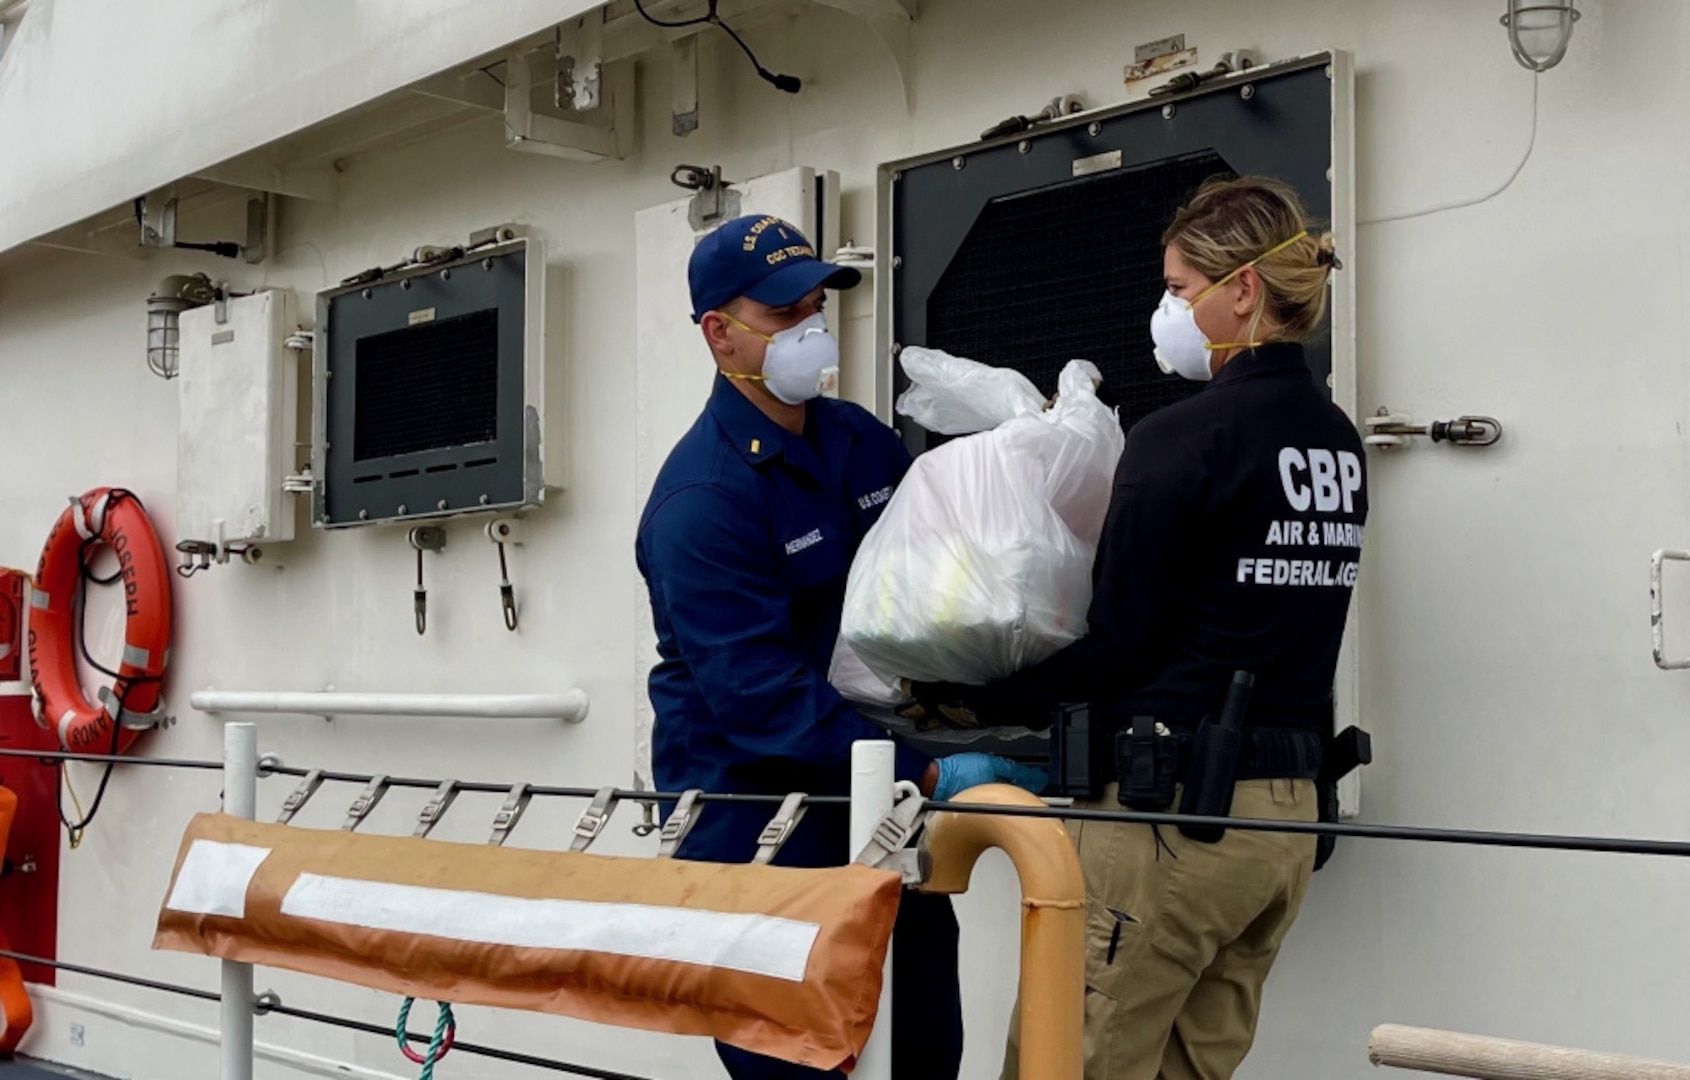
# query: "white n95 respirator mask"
1181,346
801,362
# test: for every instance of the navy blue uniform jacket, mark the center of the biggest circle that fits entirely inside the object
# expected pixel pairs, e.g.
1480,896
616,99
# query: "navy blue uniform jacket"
745,545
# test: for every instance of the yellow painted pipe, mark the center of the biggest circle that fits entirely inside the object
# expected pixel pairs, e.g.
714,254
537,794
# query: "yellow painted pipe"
1053,919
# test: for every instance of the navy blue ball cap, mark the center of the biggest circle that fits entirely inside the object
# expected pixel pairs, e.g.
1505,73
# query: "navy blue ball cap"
763,258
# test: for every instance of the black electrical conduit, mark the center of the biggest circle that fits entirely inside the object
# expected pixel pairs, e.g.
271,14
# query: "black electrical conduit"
323,1018
1469,837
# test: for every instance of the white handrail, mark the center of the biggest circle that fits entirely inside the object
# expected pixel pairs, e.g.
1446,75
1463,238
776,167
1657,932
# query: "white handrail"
1452,1053
569,706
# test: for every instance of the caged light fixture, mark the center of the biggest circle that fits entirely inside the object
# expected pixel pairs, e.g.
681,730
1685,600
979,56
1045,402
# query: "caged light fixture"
175,294
1539,30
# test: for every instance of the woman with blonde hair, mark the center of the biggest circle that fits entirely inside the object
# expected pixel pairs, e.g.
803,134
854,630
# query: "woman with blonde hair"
1229,556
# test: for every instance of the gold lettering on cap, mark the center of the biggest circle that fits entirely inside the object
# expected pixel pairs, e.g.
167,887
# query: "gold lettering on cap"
757,229
775,258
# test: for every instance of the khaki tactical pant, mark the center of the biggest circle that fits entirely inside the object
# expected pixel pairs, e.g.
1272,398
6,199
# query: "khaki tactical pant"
1180,936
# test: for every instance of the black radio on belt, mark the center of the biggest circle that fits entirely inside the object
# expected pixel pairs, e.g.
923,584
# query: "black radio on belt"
1147,765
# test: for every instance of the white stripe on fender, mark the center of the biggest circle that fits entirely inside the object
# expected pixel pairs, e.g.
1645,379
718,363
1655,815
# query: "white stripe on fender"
215,877
755,944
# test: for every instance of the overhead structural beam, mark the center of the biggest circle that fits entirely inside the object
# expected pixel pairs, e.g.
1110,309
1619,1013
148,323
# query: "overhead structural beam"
477,89
113,233
258,172
86,242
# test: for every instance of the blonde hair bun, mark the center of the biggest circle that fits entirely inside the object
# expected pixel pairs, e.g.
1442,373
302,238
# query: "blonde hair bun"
1229,223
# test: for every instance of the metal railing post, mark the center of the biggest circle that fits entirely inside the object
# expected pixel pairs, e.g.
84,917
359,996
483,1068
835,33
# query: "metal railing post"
873,776
240,799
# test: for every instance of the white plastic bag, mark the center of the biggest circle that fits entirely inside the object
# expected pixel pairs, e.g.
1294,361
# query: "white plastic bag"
981,563
954,396
857,684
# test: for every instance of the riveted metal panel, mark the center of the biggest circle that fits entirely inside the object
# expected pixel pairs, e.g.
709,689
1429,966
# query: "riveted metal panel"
422,392
1027,252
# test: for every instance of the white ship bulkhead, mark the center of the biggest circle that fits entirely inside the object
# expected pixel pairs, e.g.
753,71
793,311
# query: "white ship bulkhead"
1502,658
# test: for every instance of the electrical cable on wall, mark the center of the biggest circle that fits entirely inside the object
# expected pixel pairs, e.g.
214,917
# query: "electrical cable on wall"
789,83
228,249
1457,204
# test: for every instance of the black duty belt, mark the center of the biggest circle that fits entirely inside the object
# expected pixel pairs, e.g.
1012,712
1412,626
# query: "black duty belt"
1267,753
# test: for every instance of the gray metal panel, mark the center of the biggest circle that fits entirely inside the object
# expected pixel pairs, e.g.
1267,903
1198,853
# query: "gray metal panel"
471,476
1282,129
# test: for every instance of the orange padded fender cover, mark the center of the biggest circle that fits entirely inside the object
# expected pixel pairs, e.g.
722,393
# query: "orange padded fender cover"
778,961
16,1014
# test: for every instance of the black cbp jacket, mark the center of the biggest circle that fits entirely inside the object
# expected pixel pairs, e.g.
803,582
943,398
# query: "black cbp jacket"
1232,542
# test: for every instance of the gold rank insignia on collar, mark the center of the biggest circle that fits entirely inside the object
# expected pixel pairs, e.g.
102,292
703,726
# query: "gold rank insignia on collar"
756,446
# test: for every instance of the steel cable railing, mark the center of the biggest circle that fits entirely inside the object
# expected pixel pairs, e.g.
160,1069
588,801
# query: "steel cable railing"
1470,837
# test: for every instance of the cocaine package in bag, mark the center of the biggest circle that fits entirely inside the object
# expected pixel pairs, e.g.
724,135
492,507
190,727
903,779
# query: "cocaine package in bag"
981,563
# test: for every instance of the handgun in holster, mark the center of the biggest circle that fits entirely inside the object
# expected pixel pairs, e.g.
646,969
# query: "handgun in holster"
1343,754
1213,772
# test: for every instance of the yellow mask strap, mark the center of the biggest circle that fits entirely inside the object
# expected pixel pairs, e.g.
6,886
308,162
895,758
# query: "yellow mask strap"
759,333
1270,252
753,333
1274,250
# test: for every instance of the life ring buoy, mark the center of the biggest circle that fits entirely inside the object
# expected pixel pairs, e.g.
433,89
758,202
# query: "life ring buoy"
113,517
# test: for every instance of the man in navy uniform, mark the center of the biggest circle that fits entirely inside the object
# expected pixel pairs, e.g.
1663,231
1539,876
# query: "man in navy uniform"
745,545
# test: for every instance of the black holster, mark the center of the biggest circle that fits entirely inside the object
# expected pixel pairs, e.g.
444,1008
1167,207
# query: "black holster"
1214,774
1214,763
1346,751
1081,753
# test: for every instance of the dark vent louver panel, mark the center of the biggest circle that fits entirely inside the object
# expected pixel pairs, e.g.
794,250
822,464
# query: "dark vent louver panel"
1071,271
427,387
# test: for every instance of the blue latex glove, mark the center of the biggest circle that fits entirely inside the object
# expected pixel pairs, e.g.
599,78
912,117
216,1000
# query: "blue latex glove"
959,772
